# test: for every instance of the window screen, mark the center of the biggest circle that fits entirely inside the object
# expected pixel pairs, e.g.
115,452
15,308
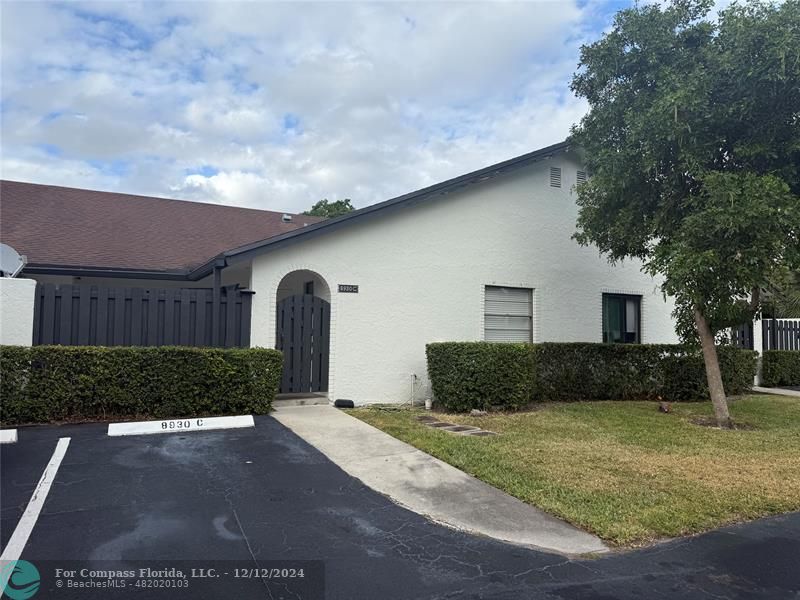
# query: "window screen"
508,314
622,319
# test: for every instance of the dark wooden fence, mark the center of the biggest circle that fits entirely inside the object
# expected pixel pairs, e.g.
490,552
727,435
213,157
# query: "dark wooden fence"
91,315
742,336
781,334
778,334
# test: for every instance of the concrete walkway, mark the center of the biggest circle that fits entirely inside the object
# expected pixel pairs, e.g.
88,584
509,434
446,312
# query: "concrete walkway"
778,391
429,486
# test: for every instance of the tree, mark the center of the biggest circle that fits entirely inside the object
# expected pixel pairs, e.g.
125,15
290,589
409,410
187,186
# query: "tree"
692,142
782,297
327,209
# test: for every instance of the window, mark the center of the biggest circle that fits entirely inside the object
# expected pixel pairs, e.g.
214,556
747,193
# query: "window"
555,176
508,314
580,177
308,288
622,319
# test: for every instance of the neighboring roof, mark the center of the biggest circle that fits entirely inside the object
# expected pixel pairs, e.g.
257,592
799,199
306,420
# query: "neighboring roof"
413,198
66,227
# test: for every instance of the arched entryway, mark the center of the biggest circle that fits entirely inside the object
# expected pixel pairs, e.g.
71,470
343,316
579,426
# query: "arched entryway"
302,332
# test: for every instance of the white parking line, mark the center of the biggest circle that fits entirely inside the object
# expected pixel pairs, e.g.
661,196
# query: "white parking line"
19,538
8,436
180,425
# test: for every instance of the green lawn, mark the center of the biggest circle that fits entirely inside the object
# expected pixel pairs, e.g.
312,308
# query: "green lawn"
622,469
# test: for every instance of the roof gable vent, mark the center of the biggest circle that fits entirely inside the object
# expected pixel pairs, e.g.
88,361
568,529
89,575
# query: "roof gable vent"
555,176
286,218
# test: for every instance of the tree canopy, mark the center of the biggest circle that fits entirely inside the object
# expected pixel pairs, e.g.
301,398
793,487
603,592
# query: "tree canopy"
328,209
783,296
692,142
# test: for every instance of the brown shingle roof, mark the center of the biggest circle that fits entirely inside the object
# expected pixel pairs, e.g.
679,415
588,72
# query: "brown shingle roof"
83,228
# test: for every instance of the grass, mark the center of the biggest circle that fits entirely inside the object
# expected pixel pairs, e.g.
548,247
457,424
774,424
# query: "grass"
623,470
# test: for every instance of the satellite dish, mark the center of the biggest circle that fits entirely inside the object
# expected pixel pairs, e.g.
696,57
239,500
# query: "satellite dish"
11,262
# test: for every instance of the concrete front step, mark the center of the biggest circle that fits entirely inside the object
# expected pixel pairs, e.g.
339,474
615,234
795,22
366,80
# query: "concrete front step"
284,400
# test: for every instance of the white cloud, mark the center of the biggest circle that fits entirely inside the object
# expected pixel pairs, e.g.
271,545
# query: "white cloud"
237,187
276,105
37,168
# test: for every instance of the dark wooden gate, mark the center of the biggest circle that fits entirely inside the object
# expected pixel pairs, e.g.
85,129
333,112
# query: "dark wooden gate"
303,335
91,315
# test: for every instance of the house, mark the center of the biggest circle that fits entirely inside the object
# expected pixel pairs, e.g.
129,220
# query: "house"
353,300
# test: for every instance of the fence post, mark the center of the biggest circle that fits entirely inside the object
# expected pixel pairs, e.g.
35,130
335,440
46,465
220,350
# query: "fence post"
17,298
758,346
215,306
773,334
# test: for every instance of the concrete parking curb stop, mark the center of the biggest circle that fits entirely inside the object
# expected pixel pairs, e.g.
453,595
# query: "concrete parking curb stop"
184,425
430,487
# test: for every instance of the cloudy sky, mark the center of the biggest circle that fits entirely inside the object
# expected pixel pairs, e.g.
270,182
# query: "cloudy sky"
276,105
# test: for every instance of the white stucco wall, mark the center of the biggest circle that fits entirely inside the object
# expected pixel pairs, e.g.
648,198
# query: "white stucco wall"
421,273
16,311
295,283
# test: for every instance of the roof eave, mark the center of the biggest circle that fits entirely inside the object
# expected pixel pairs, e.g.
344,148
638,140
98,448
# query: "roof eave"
79,271
207,268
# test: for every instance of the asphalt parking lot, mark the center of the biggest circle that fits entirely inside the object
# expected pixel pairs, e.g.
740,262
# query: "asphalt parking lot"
250,509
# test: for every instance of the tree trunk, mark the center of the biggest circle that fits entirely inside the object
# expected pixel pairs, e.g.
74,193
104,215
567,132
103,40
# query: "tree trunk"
713,373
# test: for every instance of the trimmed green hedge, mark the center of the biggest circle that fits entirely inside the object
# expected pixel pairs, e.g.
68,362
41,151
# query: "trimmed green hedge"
58,383
780,367
589,371
466,375
684,377
479,374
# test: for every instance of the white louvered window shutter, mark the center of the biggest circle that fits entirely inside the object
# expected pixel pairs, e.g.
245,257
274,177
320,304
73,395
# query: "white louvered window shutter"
508,314
555,176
